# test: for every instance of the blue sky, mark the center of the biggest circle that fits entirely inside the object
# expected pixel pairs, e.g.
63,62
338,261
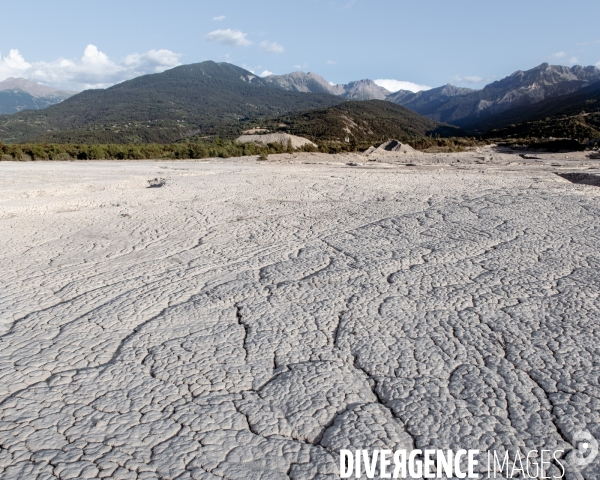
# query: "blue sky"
88,43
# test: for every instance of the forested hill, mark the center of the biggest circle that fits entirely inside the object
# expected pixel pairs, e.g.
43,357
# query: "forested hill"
201,99
362,122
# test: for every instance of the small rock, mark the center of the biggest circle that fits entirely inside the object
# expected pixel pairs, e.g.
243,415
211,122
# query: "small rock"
157,183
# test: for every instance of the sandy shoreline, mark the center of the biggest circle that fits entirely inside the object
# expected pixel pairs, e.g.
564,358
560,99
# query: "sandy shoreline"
250,319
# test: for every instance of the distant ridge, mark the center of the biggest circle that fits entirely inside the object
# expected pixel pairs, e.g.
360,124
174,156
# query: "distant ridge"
428,102
575,116
17,94
312,83
303,82
34,89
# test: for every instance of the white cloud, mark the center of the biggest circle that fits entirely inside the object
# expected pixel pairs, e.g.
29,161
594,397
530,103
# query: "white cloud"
300,67
272,47
395,85
14,65
562,55
266,73
233,38
598,64
468,79
220,18
93,70
153,60
330,62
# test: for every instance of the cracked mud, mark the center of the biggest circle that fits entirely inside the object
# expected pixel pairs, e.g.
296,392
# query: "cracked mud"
249,321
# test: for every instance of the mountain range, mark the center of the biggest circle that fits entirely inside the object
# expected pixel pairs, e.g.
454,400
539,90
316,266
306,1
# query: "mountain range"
477,111
17,94
208,99
471,110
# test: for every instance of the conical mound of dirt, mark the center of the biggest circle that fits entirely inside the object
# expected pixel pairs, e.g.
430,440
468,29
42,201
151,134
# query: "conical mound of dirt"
395,146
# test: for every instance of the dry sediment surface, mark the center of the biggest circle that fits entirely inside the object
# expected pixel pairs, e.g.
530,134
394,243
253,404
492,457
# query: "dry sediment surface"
247,319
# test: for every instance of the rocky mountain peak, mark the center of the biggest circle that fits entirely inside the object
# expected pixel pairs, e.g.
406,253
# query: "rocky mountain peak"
547,75
34,89
301,82
365,89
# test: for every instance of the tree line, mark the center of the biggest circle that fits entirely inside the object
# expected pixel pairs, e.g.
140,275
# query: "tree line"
196,150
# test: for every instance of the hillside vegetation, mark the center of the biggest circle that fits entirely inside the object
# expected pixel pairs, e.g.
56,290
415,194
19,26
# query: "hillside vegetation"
184,150
363,123
583,128
204,99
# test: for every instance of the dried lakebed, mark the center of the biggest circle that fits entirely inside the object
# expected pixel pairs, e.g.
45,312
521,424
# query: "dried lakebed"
248,321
